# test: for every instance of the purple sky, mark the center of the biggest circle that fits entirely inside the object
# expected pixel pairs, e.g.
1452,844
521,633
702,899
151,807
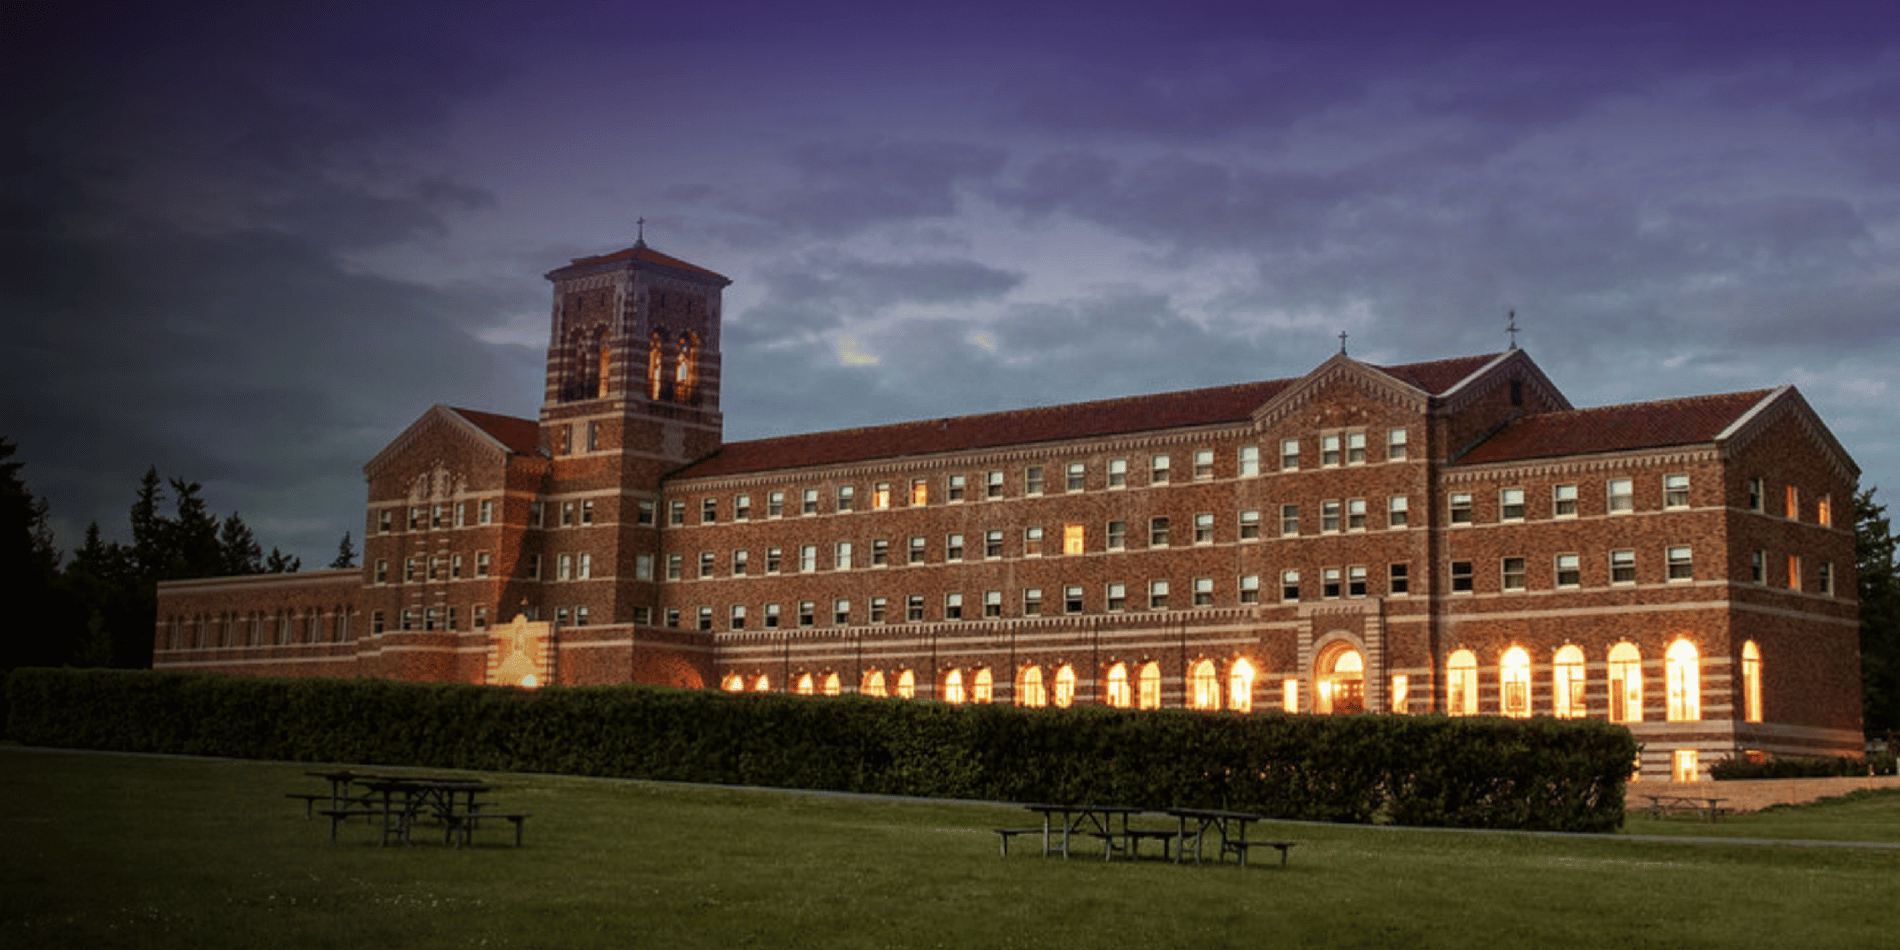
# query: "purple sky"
250,243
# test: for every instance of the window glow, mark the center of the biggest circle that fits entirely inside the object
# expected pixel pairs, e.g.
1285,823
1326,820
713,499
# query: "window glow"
1685,682
1065,686
1751,682
1204,685
1290,695
1240,687
1401,692
1567,695
953,687
1461,671
1029,690
984,690
1626,683
1119,694
735,683
873,684
1514,675
805,685
1148,695
833,686
907,685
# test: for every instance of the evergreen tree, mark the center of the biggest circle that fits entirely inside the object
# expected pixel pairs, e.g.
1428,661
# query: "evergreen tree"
29,565
280,563
345,554
1875,549
239,552
195,547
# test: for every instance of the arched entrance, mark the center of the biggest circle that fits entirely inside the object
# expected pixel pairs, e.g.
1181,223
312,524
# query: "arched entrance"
1340,678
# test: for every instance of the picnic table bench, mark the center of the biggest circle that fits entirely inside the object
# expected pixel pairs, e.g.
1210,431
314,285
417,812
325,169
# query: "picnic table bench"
1709,806
1110,825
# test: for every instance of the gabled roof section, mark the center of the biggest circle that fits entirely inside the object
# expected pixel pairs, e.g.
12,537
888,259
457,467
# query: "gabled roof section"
1412,384
1440,376
1219,405
502,435
1629,427
638,252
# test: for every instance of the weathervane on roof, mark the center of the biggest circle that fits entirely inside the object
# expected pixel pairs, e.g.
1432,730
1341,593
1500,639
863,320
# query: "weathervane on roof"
1511,317
641,241
1342,343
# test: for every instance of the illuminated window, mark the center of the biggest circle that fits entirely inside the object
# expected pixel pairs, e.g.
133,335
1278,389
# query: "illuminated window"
1684,766
1461,675
1794,572
907,685
1117,473
873,684
1460,506
1824,512
1675,491
1626,684
881,496
1511,504
1567,684
1148,687
1751,682
805,685
1621,495
1119,694
919,492
686,371
1514,676
1685,682
1792,508
1072,539
656,361
1029,690
833,685
1065,687
1203,685
1290,695
984,689
1340,683
953,687
734,683
1240,687
1401,693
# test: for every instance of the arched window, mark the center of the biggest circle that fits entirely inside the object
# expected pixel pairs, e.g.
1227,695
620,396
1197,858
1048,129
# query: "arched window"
1341,681
1751,682
1685,682
656,366
833,685
1626,683
1065,686
734,683
1029,691
1567,697
984,689
805,686
1148,692
953,686
603,370
1461,684
1514,676
763,684
1119,695
873,683
1204,685
1240,687
907,685
686,368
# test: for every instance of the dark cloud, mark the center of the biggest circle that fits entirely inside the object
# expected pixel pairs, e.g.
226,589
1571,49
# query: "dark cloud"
837,188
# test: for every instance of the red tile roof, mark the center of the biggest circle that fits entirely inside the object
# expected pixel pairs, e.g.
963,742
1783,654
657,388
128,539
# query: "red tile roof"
1641,425
1216,406
521,436
644,253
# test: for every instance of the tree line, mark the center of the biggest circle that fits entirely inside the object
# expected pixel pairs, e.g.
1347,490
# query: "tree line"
98,606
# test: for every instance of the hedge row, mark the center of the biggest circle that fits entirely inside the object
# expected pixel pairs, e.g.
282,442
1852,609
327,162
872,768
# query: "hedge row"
1415,770
1802,767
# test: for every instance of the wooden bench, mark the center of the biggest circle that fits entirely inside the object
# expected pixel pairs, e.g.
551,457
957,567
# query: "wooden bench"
309,802
1707,806
466,824
400,828
1007,833
1240,848
1130,840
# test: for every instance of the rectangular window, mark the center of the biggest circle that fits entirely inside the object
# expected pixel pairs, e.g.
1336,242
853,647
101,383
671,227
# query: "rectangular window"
881,496
1328,451
774,560
585,571
705,563
1826,576
1460,506
675,564
1032,602
740,560
1117,473
642,567
878,607
917,544
1329,583
673,617
1569,571
1072,599
1032,480
1792,506
1396,449
1116,598
1622,496
676,514
1249,460
645,511
880,552
1623,567
847,498
1117,535
1078,476
1072,538
1032,542
386,521
1289,455
841,613
486,512
1249,587
1158,472
1681,563
735,617
807,613
1757,494
1824,511
775,504
1511,504
708,511
1203,592
1398,511
1203,464
808,502
771,616
705,618
954,487
567,513
953,547
993,544
1513,573
1356,581
1328,517
1398,579
1563,501
409,570
1158,533
741,507
1204,528
1355,514
992,603
993,485
534,567
841,556
1461,577
482,563
1289,586
1355,448
1249,525
1758,566
1289,521
1675,491
1157,595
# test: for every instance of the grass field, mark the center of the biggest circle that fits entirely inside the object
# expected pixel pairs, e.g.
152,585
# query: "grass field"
125,851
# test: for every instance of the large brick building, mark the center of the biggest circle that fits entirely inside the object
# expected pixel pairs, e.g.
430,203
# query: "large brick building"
1448,536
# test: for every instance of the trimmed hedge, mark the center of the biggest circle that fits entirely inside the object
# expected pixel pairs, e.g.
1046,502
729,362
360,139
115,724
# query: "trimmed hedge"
1416,770
1802,767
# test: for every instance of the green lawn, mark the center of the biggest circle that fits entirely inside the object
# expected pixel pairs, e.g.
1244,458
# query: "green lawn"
111,851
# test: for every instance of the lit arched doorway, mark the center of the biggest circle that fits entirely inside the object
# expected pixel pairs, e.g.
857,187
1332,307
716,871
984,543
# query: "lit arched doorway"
1340,677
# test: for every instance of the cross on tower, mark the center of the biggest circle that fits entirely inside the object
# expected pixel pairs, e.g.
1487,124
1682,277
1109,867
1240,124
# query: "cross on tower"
1511,317
641,241
1342,343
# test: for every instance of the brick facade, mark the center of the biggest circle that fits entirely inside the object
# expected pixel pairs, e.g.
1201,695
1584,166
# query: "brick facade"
1442,536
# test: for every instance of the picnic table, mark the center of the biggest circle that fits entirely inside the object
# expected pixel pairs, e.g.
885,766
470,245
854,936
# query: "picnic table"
1074,819
402,800
1709,806
1230,826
